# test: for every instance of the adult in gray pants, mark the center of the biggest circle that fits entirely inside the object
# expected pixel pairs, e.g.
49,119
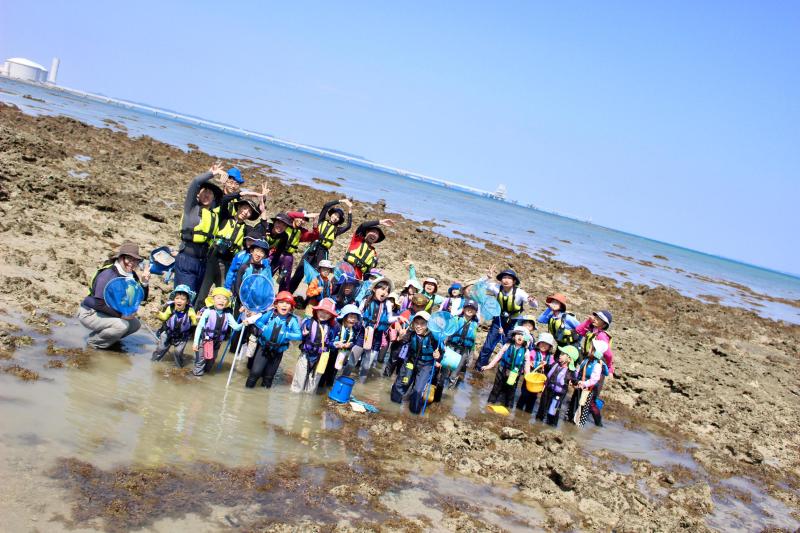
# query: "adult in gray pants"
107,326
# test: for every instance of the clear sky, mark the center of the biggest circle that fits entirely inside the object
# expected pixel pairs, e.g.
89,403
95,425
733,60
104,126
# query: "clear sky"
679,121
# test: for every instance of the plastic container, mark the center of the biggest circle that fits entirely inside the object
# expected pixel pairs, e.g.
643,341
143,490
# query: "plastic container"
161,260
534,382
342,389
451,359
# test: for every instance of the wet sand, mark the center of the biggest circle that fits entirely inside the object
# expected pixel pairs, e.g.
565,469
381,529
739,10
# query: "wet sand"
702,413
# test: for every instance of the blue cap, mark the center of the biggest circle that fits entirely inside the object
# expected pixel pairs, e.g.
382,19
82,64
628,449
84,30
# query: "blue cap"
236,174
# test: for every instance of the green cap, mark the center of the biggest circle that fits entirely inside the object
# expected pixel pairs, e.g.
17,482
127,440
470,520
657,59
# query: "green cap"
573,354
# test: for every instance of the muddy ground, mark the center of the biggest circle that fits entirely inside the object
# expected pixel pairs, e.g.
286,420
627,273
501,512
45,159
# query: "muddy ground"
721,380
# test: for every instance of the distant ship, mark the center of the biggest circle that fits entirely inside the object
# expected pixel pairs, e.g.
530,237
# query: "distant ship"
500,192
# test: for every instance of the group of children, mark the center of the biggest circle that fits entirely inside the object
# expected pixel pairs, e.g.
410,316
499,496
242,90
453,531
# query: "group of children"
353,320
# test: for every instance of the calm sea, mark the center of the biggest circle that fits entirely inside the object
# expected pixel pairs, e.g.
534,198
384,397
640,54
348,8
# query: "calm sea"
622,256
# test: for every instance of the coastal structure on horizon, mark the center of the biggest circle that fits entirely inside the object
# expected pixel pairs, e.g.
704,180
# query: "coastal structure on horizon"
26,70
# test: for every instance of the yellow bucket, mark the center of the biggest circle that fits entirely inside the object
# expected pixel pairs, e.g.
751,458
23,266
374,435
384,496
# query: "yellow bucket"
499,409
534,382
431,393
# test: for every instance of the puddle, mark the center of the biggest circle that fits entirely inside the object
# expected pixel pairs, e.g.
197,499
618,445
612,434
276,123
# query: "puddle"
432,492
78,175
82,158
741,505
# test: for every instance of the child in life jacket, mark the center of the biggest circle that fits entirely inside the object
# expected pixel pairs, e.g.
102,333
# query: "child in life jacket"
410,289
343,337
315,348
596,327
321,287
560,324
454,302
256,264
512,302
277,328
416,375
214,326
529,323
390,335
557,385
178,318
345,292
463,341
376,316
539,359
512,362
588,375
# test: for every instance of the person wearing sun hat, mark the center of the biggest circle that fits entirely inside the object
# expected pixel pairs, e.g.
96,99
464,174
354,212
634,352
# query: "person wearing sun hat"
342,338
361,252
538,360
213,327
423,353
106,325
512,300
560,324
315,347
278,327
557,385
588,377
198,225
596,327
177,317
512,362
376,317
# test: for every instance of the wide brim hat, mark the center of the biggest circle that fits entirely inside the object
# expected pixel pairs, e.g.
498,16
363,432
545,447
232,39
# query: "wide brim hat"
393,296
519,329
431,281
217,291
379,231
572,353
327,305
129,248
383,279
338,210
258,243
325,264
471,303
420,300
605,316
285,296
283,217
215,189
557,297
426,316
349,309
599,347
546,338
184,289
255,211
413,283
508,272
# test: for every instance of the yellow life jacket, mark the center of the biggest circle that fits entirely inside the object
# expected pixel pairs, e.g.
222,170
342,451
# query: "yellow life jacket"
586,345
558,328
327,234
203,232
508,303
294,239
362,257
233,232
429,305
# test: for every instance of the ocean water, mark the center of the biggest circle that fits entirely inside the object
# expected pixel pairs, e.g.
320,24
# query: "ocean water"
619,255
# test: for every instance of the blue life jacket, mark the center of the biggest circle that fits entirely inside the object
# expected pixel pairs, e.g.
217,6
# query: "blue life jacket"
465,333
422,348
514,358
370,318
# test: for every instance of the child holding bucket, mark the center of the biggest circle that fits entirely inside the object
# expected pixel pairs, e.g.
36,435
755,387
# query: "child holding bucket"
463,340
537,363
557,385
512,361
341,337
315,348
416,375
214,326
278,327
178,318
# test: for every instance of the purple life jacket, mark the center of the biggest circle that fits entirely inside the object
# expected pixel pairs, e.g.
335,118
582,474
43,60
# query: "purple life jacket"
216,327
178,325
557,379
313,343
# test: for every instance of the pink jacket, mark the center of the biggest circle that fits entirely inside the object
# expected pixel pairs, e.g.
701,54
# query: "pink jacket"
586,327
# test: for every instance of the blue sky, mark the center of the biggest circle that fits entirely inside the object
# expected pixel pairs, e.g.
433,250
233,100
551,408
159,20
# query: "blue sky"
678,121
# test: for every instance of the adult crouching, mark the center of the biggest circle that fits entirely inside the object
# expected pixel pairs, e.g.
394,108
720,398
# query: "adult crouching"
106,325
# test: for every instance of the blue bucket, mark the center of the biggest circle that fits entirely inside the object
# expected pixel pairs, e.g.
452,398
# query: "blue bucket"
342,388
599,403
161,260
451,359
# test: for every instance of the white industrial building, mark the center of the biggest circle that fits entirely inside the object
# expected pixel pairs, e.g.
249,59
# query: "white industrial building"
25,69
